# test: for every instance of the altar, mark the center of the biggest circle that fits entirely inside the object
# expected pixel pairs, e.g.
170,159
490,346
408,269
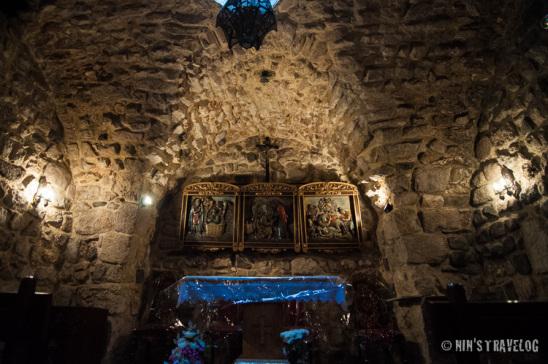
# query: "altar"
266,305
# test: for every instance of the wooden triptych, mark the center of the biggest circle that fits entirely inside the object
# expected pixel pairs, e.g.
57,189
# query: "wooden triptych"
271,216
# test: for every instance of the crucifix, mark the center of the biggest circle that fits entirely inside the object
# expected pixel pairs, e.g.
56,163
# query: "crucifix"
265,148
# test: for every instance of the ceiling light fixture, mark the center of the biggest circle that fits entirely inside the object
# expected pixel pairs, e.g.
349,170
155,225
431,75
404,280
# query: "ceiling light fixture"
246,22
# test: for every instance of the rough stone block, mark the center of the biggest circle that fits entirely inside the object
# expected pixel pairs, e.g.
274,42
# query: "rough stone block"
458,242
58,175
80,272
93,221
5,216
535,238
432,179
497,230
72,250
433,201
426,248
457,201
399,222
403,152
88,193
221,263
446,220
114,247
305,266
124,218
483,148
10,171
481,195
406,220
88,249
406,199
112,273
113,297
128,185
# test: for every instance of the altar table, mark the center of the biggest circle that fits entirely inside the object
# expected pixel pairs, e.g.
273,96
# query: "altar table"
261,299
239,290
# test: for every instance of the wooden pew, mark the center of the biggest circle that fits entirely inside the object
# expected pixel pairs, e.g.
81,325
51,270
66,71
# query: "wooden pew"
34,331
454,318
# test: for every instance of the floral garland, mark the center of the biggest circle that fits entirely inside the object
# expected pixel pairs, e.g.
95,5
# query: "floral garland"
189,349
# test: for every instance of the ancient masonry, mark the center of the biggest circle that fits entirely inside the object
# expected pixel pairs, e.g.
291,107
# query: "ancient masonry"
102,101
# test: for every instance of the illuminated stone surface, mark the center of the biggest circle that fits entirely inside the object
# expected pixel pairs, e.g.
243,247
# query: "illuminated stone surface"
108,102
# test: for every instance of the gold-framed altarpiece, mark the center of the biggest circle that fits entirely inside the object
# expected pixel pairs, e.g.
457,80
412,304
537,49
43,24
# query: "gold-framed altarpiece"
271,216
209,217
330,216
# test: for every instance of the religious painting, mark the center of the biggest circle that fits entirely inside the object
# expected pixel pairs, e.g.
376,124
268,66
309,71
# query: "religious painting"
330,216
269,216
209,216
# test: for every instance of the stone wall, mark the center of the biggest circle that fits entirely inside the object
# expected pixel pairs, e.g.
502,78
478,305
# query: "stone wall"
35,181
510,185
438,104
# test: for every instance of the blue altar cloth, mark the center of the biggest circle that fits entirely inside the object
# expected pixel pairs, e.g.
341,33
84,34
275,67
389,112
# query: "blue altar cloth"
238,290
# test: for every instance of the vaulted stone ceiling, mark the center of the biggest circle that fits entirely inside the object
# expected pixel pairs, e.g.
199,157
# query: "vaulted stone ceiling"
156,83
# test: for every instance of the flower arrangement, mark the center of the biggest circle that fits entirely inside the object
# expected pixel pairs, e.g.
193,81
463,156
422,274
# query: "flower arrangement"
189,349
296,346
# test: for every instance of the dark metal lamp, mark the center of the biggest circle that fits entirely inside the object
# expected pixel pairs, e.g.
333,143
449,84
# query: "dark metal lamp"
246,22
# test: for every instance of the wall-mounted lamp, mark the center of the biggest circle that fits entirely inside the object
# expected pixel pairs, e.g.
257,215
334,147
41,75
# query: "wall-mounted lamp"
501,187
47,193
39,193
30,191
147,200
378,191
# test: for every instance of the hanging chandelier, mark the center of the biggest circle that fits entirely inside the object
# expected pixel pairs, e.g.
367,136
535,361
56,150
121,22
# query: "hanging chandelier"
246,22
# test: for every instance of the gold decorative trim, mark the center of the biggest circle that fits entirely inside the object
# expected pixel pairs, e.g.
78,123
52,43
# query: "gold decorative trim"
300,241
328,189
210,189
269,189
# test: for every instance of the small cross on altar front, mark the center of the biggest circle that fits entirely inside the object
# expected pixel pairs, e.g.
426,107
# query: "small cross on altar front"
265,148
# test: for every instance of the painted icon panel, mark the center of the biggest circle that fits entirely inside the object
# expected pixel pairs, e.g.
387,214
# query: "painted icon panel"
209,215
329,218
269,216
210,218
269,219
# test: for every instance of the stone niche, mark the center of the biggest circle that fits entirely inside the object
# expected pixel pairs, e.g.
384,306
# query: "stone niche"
167,253
168,263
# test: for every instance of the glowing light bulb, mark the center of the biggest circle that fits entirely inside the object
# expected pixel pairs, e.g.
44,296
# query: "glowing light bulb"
47,193
381,196
500,185
30,191
147,200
